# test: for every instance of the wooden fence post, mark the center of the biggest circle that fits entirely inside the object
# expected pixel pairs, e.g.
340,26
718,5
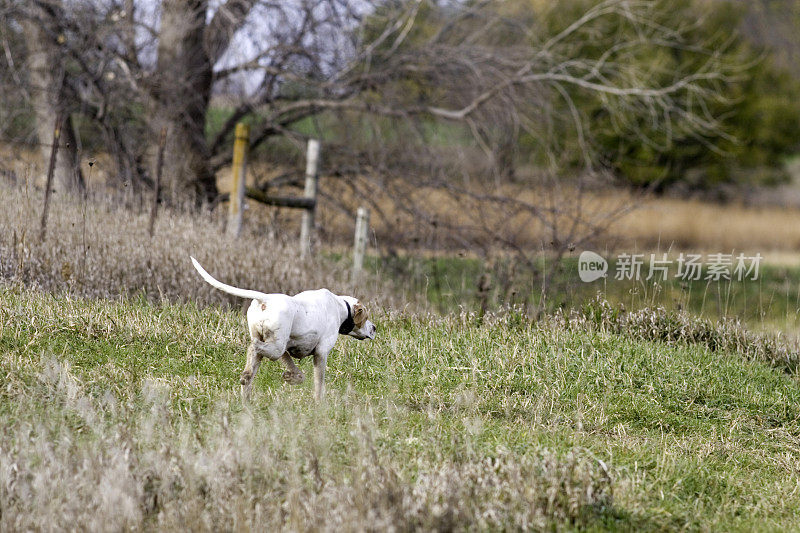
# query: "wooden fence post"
241,143
312,178
361,238
51,169
162,143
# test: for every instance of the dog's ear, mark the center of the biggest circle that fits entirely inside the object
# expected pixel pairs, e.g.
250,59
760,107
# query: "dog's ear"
359,315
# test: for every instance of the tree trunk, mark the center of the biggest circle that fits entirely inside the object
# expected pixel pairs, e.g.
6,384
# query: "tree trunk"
180,100
47,95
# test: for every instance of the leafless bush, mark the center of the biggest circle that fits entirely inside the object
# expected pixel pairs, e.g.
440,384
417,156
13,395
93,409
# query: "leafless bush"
103,465
102,249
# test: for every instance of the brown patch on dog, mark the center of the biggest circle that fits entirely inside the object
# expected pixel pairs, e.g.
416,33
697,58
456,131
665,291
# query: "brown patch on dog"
263,307
359,315
263,332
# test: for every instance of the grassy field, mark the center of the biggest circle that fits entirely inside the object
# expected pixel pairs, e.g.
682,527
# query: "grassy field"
770,302
89,252
119,404
124,414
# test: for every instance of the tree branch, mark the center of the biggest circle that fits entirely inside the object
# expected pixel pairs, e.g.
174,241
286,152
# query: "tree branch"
228,19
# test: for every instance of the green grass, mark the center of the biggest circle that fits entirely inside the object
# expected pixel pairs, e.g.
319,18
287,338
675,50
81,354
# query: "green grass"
450,283
125,414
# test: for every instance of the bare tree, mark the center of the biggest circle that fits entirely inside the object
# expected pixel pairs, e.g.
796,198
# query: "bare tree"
180,87
386,71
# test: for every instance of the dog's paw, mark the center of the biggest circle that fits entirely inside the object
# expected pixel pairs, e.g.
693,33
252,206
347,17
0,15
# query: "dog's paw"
293,378
245,394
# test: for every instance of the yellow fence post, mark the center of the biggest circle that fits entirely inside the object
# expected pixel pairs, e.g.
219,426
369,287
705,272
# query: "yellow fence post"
241,143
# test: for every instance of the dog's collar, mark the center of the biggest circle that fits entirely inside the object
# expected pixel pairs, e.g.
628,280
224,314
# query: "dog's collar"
349,324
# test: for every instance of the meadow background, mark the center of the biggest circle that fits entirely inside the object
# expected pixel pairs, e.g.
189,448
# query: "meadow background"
493,143
121,410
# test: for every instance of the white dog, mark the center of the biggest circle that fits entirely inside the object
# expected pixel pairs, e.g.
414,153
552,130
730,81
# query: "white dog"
282,327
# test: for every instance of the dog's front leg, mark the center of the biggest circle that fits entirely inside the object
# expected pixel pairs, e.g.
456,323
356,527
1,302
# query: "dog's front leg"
320,361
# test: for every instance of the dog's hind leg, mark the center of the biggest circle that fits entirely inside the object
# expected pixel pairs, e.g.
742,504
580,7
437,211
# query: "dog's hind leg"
250,370
272,348
293,374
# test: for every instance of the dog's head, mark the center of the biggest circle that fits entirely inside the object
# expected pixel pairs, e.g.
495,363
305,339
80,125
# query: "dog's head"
362,328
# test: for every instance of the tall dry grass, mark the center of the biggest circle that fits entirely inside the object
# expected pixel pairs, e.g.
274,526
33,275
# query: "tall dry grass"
695,225
770,223
630,220
100,248
681,327
109,464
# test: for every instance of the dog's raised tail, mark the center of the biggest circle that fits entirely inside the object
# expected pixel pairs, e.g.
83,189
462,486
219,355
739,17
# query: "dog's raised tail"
241,293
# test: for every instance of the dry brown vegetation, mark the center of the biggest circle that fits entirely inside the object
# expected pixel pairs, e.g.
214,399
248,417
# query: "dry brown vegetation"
630,221
99,464
99,247
696,225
